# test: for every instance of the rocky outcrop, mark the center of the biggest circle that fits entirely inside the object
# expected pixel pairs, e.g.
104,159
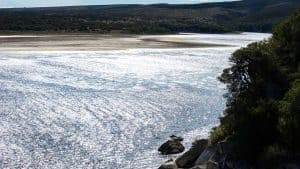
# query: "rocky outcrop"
206,155
212,165
203,155
172,146
199,167
170,164
189,158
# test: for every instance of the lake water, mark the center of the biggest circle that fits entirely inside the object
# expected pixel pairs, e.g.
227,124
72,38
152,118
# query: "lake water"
109,109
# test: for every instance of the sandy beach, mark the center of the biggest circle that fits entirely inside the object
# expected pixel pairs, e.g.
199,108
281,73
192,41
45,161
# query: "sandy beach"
94,42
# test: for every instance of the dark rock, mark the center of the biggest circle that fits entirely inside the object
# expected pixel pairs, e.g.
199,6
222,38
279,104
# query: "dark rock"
236,164
189,158
212,165
290,166
170,164
226,147
209,165
206,155
242,164
224,154
172,146
176,138
229,164
199,167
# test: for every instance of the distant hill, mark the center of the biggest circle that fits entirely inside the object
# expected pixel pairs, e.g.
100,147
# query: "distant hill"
247,15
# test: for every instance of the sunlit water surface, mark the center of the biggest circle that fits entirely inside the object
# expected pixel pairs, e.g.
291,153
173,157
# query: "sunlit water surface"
109,109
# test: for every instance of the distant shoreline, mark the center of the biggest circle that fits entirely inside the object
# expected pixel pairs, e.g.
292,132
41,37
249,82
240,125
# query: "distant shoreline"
93,42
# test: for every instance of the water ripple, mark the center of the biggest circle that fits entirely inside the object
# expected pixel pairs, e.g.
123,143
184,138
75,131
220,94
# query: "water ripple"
109,109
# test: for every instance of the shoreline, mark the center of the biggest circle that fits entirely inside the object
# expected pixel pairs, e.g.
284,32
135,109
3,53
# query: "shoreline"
88,42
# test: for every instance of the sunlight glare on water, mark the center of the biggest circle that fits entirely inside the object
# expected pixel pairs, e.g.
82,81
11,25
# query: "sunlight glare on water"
109,109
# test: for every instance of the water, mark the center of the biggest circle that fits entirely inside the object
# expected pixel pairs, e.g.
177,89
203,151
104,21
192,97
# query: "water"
109,109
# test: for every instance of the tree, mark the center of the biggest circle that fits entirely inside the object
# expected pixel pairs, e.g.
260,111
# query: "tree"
264,95
289,120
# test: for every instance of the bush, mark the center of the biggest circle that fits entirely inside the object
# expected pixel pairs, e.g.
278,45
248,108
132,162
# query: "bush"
263,99
289,120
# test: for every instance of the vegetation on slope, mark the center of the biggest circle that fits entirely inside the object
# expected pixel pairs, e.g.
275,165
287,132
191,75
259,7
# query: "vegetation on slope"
263,111
247,15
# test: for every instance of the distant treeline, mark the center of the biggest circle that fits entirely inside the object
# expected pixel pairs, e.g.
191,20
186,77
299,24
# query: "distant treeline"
248,15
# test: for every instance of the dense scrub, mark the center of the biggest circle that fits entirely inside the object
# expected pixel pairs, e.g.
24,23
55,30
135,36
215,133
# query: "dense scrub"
263,109
246,15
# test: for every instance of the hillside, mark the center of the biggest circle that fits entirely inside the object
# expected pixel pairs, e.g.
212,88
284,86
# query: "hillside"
247,15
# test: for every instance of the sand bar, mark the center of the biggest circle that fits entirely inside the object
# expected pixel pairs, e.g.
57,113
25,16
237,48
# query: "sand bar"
94,42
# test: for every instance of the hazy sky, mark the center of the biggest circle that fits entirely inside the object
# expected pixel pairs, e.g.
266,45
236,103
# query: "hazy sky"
41,3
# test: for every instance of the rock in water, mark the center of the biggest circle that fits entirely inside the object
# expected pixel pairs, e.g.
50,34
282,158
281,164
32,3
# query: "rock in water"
170,164
172,146
176,138
189,158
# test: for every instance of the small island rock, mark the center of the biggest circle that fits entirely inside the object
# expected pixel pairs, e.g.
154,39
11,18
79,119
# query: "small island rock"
172,146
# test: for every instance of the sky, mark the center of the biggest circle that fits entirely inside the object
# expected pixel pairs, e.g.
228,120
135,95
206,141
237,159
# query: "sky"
44,3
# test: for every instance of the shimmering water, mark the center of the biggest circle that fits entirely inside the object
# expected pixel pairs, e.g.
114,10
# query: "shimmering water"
109,109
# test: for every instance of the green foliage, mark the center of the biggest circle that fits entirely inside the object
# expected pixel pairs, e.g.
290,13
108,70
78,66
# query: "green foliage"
263,113
218,135
289,120
286,42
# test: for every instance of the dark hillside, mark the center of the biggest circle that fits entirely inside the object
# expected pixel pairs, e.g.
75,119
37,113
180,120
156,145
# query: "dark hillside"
247,15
